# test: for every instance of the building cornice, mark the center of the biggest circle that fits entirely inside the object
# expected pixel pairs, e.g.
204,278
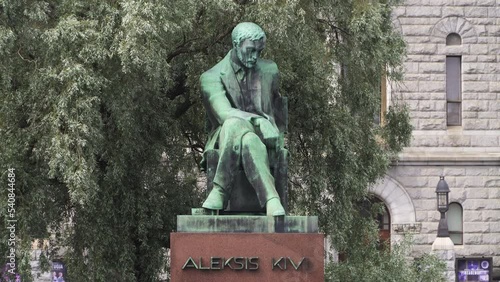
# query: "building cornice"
449,156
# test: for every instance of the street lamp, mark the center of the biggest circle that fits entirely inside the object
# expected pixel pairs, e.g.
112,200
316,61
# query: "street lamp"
442,191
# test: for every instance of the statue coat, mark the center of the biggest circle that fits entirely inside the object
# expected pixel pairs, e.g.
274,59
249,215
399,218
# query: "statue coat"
223,99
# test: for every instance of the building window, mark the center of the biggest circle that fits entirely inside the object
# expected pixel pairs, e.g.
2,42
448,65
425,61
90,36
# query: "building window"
455,223
453,90
382,110
453,39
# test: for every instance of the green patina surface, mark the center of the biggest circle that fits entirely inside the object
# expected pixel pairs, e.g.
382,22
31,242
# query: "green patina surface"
247,224
239,94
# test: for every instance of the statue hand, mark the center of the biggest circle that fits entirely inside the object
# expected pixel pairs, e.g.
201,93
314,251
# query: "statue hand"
267,132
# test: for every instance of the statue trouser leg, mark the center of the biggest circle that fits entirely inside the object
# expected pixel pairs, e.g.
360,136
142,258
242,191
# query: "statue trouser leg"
256,166
230,136
239,145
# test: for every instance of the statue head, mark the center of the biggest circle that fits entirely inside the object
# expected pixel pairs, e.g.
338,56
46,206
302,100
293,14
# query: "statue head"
248,41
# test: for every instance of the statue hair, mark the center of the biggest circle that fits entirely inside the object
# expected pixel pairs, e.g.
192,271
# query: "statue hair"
246,30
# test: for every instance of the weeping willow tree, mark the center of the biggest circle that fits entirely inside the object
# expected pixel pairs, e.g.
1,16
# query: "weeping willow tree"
101,117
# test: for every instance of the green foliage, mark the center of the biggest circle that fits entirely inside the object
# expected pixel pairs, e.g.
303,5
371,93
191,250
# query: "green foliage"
101,116
390,265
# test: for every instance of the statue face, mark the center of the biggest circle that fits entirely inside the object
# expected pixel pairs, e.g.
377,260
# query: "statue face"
249,51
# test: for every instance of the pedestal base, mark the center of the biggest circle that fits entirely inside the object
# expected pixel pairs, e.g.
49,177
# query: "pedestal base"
245,257
247,249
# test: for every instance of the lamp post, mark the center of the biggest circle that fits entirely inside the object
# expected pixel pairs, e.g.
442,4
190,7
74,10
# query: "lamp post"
442,191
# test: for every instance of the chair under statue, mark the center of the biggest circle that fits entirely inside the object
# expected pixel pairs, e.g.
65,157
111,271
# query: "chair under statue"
243,197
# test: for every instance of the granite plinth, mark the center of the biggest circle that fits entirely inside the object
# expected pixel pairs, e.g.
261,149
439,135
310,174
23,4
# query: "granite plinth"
247,224
247,257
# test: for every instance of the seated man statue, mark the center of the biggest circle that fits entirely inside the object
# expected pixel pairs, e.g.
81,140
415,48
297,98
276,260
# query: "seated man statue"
237,94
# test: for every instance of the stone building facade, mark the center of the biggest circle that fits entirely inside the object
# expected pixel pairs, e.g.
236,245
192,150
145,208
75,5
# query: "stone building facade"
452,87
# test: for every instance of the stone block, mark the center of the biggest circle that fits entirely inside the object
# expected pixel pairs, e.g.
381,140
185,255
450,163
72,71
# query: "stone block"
494,86
460,182
469,59
470,77
244,257
476,171
410,86
473,216
472,182
455,141
453,11
472,86
492,105
421,216
428,106
491,239
425,205
494,193
451,171
472,239
474,106
422,49
495,227
475,68
425,141
429,115
399,11
433,216
494,124
250,223
492,183
417,39
411,68
488,115
432,124
476,12
418,58
485,2
482,204
491,215
484,141
397,171
494,12
432,68
476,250
458,195
423,12
477,193
487,58
479,49
471,124
431,86
431,171
457,50
416,2
417,30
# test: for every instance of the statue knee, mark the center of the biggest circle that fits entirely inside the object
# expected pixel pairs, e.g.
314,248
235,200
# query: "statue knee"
236,123
251,141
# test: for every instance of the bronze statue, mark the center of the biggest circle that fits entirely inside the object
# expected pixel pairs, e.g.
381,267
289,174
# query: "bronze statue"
238,94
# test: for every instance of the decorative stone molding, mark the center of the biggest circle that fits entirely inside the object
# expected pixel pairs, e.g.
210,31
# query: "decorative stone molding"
453,24
397,200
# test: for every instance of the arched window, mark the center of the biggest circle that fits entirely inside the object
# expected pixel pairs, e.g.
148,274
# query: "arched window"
455,223
453,39
453,83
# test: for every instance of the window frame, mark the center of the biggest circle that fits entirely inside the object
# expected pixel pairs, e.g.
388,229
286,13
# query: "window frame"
453,96
456,232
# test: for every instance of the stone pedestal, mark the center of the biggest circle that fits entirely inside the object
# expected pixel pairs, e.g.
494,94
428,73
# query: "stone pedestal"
247,248
443,248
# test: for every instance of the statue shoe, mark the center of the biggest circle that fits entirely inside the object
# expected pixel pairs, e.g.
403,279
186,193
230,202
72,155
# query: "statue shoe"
215,200
274,207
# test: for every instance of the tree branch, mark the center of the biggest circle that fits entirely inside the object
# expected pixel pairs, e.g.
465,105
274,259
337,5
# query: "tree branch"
184,49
